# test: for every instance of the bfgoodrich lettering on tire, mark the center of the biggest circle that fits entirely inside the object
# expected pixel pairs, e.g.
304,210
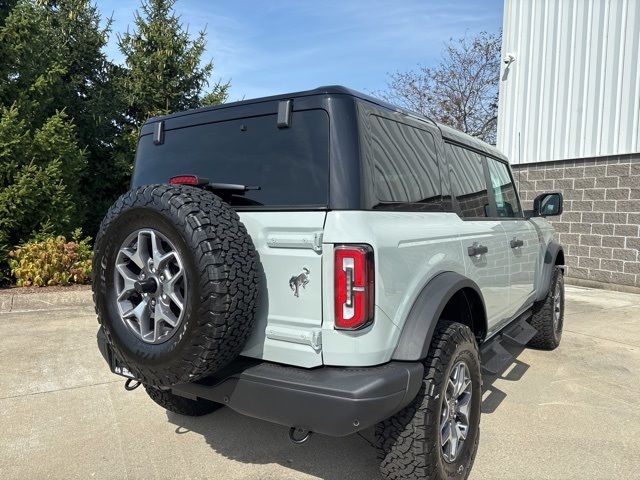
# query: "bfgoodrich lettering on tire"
174,283
436,436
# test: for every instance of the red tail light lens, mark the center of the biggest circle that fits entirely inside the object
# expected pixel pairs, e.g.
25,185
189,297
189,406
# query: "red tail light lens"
354,286
187,180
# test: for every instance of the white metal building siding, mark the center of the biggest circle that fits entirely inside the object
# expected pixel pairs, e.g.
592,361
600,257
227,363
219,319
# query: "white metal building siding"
573,90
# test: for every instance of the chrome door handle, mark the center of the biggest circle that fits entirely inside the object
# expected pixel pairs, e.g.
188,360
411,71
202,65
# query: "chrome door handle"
515,243
476,250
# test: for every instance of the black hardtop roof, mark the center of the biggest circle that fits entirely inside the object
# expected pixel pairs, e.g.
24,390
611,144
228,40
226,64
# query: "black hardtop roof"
457,136
447,132
325,90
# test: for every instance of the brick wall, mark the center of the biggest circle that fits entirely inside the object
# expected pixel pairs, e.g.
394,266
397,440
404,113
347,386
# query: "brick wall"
472,205
600,225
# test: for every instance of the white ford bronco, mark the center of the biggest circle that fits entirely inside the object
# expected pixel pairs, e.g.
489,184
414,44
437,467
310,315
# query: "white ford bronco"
328,262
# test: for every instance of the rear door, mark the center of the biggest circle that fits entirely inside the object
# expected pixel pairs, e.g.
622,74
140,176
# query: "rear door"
483,237
522,246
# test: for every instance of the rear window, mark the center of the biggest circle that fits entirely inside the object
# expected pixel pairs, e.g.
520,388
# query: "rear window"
290,165
405,166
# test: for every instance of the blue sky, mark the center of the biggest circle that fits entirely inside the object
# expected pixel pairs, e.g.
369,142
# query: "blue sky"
274,47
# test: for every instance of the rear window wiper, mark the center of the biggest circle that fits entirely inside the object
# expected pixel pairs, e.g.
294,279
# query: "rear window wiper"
228,188
233,188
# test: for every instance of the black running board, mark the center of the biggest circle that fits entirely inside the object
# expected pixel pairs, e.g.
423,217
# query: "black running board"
496,352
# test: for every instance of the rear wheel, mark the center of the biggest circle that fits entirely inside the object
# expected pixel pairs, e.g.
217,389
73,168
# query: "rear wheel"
548,315
181,405
437,435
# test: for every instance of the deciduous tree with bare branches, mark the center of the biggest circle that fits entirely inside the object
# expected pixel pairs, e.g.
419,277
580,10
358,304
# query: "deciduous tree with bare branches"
462,91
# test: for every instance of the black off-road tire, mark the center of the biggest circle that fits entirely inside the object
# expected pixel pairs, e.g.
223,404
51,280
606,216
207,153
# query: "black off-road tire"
181,405
549,329
220,263
409,442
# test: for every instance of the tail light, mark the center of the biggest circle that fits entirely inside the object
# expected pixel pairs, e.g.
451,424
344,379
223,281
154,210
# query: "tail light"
354,286
188,180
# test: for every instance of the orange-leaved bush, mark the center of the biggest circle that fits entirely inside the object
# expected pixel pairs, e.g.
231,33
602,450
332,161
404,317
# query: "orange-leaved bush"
52,261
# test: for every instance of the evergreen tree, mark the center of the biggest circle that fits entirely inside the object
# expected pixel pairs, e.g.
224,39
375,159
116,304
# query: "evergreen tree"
39,179
164,71
42,161
92,99
69,118
53,60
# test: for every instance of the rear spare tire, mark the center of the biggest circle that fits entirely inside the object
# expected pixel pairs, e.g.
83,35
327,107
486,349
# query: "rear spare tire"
174,283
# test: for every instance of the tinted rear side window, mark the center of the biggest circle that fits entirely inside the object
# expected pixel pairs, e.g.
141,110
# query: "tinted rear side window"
291,165
405,166
468,182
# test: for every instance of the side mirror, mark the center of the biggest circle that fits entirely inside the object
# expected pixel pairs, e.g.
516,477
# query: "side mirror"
547,204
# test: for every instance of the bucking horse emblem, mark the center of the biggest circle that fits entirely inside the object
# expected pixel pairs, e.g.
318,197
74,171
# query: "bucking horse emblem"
301,280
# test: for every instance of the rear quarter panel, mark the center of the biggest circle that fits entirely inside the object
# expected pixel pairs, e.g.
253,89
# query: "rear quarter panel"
410,248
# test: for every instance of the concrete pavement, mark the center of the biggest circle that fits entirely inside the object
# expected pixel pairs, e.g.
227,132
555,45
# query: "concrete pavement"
569,414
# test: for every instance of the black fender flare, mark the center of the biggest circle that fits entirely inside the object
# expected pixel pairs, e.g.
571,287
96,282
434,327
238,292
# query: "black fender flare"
548,266
420,324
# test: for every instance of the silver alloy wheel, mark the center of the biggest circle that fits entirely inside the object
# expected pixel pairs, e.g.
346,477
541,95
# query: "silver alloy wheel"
456,409
151,286
557,308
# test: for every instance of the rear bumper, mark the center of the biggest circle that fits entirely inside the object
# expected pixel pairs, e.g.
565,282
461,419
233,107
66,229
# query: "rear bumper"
333,401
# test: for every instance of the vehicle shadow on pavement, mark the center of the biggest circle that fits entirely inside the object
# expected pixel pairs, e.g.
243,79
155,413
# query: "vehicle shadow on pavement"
492,396
257,442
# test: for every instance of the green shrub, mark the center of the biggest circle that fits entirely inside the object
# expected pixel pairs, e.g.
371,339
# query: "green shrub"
52,261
